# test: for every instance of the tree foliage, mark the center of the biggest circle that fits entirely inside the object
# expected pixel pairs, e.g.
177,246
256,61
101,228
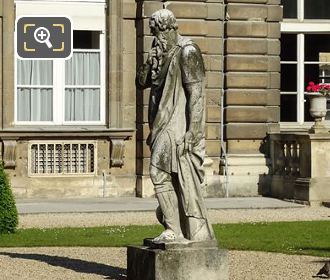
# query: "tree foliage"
8,210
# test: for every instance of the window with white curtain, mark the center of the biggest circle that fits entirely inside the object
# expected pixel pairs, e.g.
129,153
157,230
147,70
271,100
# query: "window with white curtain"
82,87
82,79
34,90
64,91
305,56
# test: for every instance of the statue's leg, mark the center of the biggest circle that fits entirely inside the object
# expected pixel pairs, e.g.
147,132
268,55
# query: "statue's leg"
199,229
168,203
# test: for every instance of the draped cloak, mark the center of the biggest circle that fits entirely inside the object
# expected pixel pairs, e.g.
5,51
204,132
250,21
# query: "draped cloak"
169,121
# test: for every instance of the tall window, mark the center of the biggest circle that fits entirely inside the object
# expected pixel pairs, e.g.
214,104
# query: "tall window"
83,79
305,55
65,92
34,90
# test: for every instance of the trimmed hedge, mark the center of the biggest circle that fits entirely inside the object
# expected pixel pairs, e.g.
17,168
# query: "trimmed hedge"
8,210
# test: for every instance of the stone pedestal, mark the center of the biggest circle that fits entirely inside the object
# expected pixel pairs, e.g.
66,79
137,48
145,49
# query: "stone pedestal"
192,261
319,128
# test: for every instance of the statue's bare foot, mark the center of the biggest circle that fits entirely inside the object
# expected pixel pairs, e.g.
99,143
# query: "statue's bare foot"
169,235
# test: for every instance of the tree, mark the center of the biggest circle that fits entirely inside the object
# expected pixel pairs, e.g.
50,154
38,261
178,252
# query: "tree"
8,210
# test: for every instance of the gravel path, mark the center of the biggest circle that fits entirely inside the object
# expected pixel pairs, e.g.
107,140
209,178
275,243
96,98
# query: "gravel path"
110,263
143,218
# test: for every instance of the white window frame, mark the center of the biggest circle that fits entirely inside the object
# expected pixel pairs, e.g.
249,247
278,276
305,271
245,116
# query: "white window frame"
99,9
300,27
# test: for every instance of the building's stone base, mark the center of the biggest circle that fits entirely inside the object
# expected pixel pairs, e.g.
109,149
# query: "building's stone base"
312,191
246,175
238,186
242,186
73,187
283,187
144,187
177,263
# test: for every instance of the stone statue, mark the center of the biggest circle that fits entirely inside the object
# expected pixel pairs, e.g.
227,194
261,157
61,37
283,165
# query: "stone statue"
175,72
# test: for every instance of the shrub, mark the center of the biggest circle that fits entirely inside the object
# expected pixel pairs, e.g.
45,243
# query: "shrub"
8,210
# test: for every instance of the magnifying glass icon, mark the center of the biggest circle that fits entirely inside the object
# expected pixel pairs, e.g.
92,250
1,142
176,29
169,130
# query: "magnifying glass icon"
41,35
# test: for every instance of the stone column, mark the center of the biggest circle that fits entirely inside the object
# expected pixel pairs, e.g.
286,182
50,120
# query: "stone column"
121,69
202,21
252,86
7,42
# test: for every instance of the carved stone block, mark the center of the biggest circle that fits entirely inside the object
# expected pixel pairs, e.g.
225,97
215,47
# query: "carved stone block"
117,152
182,263
9,153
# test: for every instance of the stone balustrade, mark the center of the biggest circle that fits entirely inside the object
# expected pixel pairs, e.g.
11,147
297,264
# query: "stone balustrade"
300,169
287,152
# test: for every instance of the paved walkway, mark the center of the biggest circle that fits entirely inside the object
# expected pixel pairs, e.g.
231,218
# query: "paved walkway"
133,204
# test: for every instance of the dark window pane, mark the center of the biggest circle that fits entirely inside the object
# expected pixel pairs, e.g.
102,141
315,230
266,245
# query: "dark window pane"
317,9
86,39
308,117
288,47
312,73
289,77
327,117
288,108
289,8
316,44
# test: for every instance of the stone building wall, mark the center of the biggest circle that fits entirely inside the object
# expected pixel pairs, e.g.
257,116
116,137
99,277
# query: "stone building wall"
252,84
240,44
202,21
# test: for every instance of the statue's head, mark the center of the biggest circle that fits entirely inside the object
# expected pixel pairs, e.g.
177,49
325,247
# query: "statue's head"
164,27
162,21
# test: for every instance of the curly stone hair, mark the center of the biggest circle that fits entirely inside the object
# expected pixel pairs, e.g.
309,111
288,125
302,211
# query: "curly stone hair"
164,20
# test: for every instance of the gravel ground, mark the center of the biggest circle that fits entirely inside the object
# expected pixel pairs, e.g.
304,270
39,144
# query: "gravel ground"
144,218
110,263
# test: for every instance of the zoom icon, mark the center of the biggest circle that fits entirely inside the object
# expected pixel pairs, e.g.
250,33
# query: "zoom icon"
43,37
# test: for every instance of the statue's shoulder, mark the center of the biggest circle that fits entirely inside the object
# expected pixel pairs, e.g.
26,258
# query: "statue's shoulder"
189,47
191,61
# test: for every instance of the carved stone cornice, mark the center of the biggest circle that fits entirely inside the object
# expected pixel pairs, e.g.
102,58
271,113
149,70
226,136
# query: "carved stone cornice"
54,133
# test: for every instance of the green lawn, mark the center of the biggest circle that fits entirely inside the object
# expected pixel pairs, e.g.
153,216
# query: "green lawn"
308,238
